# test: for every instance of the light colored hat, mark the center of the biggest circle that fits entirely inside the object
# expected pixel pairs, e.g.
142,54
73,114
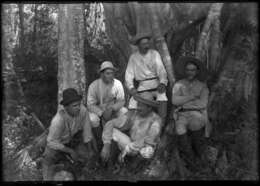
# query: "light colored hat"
105,65
146,98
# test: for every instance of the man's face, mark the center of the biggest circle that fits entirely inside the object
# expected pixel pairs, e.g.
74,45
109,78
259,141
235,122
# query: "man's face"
73,109
143,45
191,71
107,75
143,109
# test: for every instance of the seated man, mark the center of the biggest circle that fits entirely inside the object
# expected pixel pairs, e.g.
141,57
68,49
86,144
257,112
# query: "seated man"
143,127
71,118
106,97
190,95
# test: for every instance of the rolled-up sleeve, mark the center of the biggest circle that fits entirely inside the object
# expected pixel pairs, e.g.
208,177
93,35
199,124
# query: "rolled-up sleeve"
153,133
55,131
161,72
87,132
201,102
92,100
129,74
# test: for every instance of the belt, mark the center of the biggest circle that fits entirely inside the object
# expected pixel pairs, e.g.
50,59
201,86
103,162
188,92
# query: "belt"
148,90
191,109
147,79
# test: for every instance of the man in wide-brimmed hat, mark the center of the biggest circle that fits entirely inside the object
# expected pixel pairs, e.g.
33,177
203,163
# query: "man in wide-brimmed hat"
71,118
105,99
134,132
145,67
190,96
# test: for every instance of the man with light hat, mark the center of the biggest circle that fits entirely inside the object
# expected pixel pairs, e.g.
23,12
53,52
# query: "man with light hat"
71,118
190,96
106,98
135,132
145,67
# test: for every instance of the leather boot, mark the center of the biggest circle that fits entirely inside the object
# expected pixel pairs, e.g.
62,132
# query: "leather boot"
47,171
97,132
186,151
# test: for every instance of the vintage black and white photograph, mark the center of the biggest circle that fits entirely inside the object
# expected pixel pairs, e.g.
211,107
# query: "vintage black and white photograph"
129,91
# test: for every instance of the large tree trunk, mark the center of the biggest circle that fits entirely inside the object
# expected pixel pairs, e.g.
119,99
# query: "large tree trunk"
13,92
71,69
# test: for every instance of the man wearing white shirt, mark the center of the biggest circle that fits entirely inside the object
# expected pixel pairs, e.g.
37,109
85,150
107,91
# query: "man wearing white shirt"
146,67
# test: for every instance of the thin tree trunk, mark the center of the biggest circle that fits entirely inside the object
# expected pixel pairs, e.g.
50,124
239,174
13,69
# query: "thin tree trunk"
214,12
71,68
21,18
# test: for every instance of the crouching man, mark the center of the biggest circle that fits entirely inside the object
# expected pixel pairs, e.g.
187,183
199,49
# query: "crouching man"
135,132
71,118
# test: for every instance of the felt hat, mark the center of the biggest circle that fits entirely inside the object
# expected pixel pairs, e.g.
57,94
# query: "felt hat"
147,98
106,65
181,64
70,95
140,36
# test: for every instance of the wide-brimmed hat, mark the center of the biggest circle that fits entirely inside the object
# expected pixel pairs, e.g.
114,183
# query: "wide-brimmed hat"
140,36
107,65
70,95
147,98
181,64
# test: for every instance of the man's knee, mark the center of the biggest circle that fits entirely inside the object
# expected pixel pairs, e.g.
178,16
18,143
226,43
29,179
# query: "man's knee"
122,111
95,120
196,122
161,97
180,127
49,156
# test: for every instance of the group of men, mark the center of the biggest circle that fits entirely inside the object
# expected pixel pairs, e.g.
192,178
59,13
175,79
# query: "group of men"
136,129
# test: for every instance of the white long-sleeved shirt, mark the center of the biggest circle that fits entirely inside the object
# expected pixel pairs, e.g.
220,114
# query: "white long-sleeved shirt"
64,127
141,67
100,95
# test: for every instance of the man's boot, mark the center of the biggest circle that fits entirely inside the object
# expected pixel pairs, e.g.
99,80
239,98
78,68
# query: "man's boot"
162,112
97,132
47,171
186,151
199,145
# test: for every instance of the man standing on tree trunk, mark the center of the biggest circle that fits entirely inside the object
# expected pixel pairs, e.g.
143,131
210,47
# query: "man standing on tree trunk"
63,136
190,96
105,100
146,68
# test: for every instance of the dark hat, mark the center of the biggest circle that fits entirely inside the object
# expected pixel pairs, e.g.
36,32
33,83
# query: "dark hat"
70,95
140,36
181,64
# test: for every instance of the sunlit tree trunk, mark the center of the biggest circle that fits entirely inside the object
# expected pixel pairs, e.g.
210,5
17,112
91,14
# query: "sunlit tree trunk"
213,15
161,44
13,92
71,69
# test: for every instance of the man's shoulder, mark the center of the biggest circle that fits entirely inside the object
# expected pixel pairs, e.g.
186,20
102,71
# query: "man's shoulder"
58,118
94,83
117,82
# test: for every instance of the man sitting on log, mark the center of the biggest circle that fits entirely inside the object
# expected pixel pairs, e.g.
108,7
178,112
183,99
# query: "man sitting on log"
106,98
145,67
190,96
135,132
71,118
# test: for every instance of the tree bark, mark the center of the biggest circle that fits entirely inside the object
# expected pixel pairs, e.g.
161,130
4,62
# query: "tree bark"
71,69
21,18
213,14
161,44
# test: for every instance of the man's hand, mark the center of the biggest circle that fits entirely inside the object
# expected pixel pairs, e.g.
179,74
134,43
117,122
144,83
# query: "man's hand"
161,88
107,114
132,91
105,153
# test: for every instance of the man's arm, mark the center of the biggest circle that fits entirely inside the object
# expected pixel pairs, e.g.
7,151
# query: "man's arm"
153,133
92,101
177,99
53,139
120,97
129,74
201,102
